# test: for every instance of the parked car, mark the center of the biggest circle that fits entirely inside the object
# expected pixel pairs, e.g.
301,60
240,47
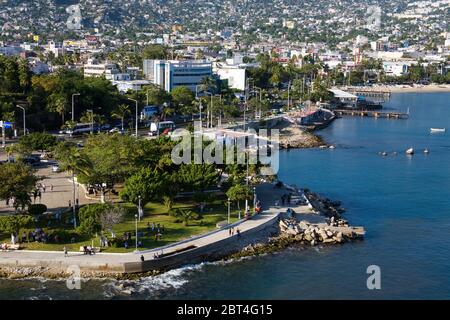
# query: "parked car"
31,160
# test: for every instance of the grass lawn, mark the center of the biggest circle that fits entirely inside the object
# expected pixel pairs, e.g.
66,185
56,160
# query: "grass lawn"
154,212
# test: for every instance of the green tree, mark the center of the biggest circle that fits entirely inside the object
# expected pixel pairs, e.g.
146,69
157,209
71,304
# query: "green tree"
37,141
146,183
239,193
198,177
13,224
18,180
90,221
182,96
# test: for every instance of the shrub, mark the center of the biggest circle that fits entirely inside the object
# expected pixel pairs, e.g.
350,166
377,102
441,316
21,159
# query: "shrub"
37,209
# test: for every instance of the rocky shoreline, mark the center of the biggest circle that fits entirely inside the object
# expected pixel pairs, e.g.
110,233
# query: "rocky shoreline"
291,230
293,137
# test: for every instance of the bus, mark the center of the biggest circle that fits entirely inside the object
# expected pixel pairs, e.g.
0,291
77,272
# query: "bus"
163,127
80,128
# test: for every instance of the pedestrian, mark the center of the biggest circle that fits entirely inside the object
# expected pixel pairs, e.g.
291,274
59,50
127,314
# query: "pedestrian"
229,232
142,258
39,196
66,254
51,188
43,187
238,232
70,204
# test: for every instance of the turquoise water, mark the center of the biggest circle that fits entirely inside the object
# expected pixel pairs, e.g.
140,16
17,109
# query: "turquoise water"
402,201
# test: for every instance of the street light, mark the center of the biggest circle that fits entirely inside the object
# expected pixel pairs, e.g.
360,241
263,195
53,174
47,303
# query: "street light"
92,120
24,121
136,115
254,198
73,105
229,212
139,208
136,217
210,110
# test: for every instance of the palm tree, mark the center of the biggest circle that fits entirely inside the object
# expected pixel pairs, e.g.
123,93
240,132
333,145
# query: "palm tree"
121,112
208,84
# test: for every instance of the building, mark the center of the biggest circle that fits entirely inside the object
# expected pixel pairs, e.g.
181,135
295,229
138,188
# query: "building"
147,69
234,74
94,69
169,74
392,68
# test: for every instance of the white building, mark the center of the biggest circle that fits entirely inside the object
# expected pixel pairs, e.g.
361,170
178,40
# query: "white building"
392,68
235,75
93,69
133,85
169,74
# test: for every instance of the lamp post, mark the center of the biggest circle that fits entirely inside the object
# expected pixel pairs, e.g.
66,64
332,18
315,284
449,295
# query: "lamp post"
92,120
24,120
229,211
210,115
260,99
73,105
254,198
136,217
139,208
200,104
137,123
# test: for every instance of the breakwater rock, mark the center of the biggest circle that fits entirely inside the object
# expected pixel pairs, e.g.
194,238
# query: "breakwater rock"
332,232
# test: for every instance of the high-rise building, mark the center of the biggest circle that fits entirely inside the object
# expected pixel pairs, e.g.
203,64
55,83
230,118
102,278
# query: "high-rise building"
169,74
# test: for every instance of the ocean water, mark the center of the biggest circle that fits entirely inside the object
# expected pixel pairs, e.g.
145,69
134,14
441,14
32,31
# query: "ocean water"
402,201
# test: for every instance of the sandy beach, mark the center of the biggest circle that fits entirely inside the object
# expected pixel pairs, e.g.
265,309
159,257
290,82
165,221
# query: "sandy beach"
407,88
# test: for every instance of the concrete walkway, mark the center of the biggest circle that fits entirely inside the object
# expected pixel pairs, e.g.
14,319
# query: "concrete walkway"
265,192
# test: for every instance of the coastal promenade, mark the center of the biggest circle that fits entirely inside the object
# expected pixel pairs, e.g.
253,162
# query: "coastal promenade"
204,247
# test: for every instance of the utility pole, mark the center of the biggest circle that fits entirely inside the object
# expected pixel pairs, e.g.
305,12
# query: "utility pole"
137,120
73,105
24,120
289,94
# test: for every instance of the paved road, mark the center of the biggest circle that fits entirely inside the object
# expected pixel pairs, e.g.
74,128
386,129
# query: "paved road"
59,197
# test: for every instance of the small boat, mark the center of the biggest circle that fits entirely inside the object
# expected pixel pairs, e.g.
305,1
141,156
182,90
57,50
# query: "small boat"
437,130
410,151
384,154
426,151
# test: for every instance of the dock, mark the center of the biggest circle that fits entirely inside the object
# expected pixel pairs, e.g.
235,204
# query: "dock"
372,113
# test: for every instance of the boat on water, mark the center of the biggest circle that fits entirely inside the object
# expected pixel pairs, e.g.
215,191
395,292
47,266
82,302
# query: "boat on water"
410,151
437,130
426,151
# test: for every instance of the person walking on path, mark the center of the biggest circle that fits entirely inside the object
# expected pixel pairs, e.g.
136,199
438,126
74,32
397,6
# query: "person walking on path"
66,254
51,188
142,258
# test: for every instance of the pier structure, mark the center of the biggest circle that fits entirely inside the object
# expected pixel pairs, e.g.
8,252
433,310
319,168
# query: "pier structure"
372,113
